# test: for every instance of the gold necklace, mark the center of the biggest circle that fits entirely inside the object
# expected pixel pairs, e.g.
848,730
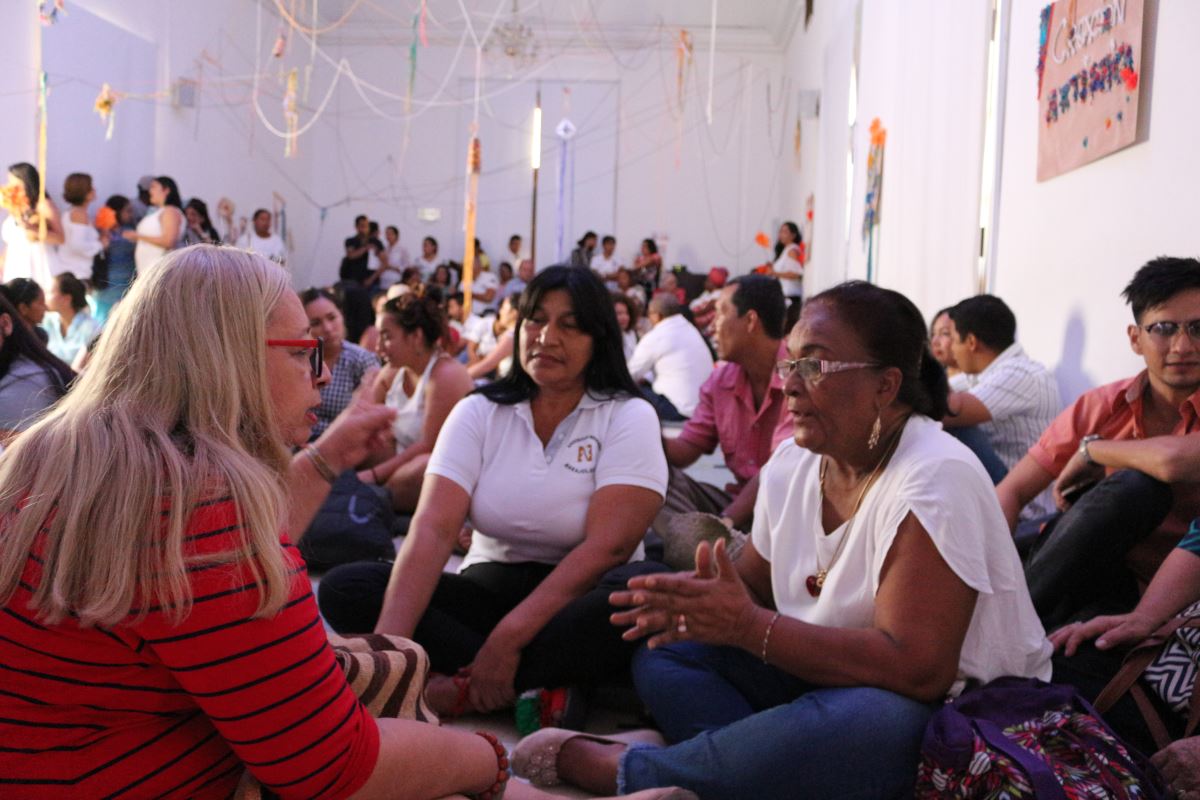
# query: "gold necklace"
814,583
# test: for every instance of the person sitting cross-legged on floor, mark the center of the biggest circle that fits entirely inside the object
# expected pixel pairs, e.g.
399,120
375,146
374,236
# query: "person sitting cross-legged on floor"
1009,398
741,406
552,465
1128,436
673,357
879,578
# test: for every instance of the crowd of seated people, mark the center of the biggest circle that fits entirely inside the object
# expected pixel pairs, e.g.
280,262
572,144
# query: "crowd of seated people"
921,512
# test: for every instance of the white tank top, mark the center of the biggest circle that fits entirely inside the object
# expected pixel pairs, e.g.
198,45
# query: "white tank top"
410,409
785,263
145,254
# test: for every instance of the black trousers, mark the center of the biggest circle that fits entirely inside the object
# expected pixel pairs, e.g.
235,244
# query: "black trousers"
1076,568
577,647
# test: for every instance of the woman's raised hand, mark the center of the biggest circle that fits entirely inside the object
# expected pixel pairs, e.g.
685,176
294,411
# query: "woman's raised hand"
710,605
360,429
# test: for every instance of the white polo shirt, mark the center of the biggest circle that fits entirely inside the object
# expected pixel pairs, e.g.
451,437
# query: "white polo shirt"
481,282
942,484
530,503
680,360
270,246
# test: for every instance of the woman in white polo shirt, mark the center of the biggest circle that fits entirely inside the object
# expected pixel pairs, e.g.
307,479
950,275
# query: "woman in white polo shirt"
552,465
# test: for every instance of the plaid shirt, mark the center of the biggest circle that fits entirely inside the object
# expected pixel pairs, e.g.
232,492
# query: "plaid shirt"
344,378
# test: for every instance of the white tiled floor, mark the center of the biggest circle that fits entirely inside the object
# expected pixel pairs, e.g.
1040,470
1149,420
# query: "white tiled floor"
710,469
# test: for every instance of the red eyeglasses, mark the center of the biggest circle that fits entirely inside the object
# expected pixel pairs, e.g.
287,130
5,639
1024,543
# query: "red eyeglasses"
316,361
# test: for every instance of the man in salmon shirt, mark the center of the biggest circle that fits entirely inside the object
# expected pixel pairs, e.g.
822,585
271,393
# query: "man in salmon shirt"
741,406
1135,438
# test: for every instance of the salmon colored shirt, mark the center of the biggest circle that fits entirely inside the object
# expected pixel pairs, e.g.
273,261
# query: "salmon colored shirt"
726,416
1115,411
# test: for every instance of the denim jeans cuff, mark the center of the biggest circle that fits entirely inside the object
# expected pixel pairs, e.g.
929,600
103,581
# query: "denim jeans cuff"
621,776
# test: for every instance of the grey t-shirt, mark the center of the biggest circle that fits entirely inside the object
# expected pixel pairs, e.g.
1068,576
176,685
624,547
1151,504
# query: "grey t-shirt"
25,392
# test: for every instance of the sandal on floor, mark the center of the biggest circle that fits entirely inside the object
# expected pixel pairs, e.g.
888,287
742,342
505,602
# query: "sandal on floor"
535,757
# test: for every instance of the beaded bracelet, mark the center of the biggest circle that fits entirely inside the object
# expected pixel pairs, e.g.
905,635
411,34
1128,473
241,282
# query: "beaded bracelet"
767,635
503,771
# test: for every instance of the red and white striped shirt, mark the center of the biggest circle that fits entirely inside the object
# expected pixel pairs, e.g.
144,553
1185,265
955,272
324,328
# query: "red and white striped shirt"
154,709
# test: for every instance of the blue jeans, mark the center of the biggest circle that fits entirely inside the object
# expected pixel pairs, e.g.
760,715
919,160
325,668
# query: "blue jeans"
746,729
975,439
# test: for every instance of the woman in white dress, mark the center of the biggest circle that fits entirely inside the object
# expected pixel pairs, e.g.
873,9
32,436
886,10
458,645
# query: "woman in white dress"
81,240
422,383
162,228
789,264
26,254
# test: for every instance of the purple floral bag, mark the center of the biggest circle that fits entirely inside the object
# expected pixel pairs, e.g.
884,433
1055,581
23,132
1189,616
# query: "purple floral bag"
1022,738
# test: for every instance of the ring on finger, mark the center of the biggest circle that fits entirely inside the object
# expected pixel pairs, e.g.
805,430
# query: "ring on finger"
681,624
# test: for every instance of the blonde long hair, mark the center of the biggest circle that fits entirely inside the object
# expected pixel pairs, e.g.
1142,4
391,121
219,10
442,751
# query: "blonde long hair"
174,409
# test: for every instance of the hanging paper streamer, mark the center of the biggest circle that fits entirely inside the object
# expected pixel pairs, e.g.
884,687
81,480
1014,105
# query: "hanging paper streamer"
280,44
473,167
291,115
48,10
105,106
806,244
872,203
42,94
566,177
412,60
421,28
683,59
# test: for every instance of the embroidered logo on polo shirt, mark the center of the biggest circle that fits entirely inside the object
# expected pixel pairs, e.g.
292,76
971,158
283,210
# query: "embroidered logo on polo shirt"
582,454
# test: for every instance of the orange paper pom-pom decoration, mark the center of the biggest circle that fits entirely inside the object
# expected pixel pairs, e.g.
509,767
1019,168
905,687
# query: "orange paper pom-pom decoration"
106,219
761,239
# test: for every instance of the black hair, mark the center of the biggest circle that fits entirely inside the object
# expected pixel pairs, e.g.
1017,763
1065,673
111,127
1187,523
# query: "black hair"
764,296
71,286
608,239
27,174
173,196
373,227
117,203
393,229
606,374
318,292
1158,281
22,343
258,211
414,313
201,208
360,218
457,297
21,291
650,245
432,241
585,237
796,238
409,273
989,318
516,237
892,331
504,264
76,188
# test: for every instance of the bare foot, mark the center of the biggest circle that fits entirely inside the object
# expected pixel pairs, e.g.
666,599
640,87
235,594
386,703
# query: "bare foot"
444,696
590,765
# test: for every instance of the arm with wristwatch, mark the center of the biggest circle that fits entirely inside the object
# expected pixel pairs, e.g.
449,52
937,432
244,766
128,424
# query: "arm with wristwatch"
1170,459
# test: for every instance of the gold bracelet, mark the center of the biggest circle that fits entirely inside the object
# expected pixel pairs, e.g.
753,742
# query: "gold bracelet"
319,463
767,635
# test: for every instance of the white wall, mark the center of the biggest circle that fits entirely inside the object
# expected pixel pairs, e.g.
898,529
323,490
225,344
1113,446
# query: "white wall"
921,70
1068,246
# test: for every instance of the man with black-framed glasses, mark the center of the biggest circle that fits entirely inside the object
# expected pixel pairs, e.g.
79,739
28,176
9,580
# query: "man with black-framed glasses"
1134,447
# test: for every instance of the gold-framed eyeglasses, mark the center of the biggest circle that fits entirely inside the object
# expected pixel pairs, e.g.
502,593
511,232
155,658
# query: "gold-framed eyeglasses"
813,370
